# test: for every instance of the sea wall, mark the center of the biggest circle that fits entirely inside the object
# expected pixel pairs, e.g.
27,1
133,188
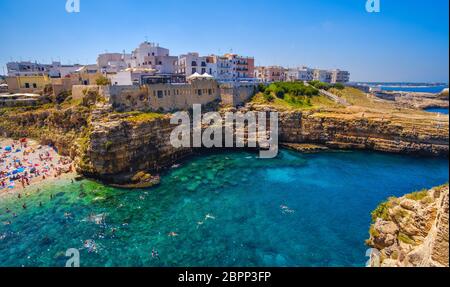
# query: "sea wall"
412,231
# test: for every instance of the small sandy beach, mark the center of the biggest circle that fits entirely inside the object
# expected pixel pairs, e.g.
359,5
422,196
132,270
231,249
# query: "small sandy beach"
25,164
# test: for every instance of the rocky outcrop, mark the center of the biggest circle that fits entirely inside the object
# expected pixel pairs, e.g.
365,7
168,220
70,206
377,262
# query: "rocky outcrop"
412,230
115,146
60,127
120,146
388,133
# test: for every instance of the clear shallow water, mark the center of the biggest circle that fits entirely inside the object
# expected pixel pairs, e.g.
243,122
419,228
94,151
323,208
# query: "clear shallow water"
328,199
438,110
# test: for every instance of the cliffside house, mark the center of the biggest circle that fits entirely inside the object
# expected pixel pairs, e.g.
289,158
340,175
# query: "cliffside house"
27,84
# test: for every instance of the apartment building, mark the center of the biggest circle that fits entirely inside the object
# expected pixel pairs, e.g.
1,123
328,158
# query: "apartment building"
303,74
242,67
192,63
322,75
269,74
338,76
53,70
110,63
152,56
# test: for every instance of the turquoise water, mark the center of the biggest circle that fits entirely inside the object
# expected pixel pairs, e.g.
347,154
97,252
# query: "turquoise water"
437,110
418,89
227,209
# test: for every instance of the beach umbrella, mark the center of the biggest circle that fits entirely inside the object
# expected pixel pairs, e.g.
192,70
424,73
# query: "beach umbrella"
19,170
8,148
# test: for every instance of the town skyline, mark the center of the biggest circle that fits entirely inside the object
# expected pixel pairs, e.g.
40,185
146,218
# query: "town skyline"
417,39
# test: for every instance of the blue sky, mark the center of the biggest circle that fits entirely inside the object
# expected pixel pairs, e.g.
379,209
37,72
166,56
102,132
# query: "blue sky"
407,41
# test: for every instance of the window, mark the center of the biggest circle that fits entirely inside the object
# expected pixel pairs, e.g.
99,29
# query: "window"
160,94
27,85
199,92
194,70
209,91
194,64
34,85
203,70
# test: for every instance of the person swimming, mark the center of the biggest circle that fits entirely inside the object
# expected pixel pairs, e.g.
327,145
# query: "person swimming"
173,234
155,254
24,206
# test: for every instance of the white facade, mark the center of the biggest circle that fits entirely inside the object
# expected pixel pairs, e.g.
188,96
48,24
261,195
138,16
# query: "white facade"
128,77
151,56
338,76
303,74
322,76
192,63
112,62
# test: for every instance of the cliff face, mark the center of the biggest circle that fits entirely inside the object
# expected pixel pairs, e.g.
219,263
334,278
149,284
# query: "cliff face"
107,144
60,127
118,147
412,230
386,133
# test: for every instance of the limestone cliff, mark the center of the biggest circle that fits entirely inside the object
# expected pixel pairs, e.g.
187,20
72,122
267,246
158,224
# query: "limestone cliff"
120,145
420,134
114,146
412,230
60,127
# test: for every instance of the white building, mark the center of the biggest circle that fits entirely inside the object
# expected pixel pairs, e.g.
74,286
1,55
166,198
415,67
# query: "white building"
53,70
304,74
338,76
226,68
151,56
127,77
112,62
322,75
192,63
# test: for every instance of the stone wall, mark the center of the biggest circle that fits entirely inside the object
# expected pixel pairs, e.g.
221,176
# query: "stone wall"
163,97
233,95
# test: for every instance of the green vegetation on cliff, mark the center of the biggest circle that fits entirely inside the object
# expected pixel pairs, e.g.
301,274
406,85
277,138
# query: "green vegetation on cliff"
290,95
138,117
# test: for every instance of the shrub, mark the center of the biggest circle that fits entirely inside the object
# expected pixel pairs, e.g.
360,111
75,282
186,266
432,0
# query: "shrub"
103,81
268,97
405,239
320,85
261,88
339,86
382,211
418,195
